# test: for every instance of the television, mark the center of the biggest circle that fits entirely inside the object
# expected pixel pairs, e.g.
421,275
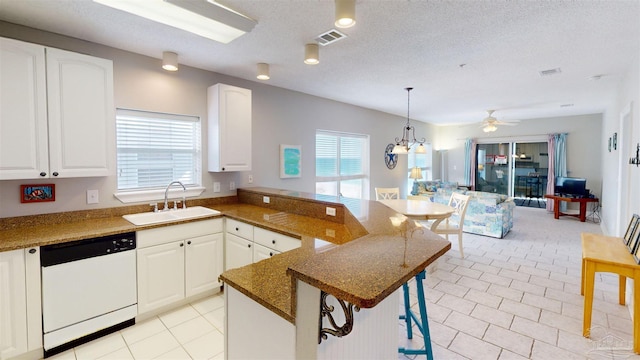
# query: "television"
571,186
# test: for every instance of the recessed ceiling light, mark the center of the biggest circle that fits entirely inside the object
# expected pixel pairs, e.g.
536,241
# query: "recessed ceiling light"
566,105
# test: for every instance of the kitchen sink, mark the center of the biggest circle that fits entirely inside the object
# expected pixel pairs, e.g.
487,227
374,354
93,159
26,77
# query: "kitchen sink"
148,218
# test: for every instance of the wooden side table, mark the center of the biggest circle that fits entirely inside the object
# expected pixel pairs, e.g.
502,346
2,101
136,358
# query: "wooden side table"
609,254
583,206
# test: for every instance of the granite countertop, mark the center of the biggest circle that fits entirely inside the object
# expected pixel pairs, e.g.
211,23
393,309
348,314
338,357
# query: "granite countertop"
359,256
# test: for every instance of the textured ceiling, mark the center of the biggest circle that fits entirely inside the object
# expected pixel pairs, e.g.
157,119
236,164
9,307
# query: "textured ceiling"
424,44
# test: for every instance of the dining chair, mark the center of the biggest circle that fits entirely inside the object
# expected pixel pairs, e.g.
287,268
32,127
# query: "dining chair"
387,193
460,203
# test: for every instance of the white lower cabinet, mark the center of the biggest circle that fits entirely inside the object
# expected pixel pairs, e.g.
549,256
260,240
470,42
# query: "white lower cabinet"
246,244
20,304
238,252
177,262
262,252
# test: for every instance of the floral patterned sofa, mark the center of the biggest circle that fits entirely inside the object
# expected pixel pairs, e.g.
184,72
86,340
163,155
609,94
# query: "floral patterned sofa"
488,214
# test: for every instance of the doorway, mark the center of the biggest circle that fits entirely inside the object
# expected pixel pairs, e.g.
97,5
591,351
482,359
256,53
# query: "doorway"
515,169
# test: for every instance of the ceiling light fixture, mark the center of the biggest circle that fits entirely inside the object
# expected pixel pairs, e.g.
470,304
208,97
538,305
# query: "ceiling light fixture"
201,17
170,61
489,128
408,136
263,71
311,54
345,13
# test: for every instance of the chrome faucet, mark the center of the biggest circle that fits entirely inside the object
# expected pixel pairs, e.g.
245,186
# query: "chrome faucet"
166,191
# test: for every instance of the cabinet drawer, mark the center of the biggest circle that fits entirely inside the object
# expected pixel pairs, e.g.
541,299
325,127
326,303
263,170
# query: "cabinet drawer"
166,234
275,240
239,228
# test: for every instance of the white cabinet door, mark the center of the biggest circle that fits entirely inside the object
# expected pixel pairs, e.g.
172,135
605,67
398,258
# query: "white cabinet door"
24,147
57,115
262,252
229,109
203,263
34,298
238,252
160,275
13,309
81,114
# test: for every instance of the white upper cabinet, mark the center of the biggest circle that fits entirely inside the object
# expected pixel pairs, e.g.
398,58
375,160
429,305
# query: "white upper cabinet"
229,128
57,115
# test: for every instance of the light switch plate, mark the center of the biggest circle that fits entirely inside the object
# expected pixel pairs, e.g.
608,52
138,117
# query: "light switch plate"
216,187
232,185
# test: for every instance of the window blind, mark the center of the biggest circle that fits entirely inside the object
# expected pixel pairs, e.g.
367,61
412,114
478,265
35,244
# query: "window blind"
154,149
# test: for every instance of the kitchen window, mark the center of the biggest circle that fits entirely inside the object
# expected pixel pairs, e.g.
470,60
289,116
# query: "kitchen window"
154,149
342,164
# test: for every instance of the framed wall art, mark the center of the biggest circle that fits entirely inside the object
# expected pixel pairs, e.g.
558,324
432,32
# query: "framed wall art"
633,242
37,193
635,239
290,161
635,219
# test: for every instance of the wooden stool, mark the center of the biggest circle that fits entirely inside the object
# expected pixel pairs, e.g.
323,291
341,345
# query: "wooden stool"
421,323
609,254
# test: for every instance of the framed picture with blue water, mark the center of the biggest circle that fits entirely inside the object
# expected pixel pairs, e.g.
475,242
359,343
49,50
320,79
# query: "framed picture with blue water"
290,161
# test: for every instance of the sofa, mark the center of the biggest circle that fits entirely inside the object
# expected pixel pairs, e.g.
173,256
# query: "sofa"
488,214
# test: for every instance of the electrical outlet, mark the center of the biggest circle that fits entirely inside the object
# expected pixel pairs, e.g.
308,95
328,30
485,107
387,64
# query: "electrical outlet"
266,199
216,187
250,179
331,211
232,185
92,196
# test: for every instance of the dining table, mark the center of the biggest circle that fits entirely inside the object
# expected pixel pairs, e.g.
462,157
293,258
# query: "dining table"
421,210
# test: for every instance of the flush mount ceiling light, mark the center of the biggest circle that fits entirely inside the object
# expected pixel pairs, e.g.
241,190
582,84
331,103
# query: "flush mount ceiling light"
408,136
201,17
263,71
345,13
170,61
311,54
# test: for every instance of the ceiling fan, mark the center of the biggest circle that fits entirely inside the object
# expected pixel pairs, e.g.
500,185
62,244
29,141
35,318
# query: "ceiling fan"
490,123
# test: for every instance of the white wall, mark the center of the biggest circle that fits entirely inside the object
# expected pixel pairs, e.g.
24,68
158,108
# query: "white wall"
616,190
279,117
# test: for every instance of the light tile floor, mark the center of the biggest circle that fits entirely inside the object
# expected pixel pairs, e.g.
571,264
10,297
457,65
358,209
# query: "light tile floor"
194,331
507,299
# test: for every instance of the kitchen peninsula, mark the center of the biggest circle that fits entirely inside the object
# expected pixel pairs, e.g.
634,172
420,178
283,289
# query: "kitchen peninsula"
356,269
273,305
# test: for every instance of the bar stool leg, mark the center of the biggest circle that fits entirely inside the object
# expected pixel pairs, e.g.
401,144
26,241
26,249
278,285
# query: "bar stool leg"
422,322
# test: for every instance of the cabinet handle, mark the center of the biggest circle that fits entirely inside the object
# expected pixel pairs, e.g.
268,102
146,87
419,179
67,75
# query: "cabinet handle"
249,245
181,244
237,229
43,174
270,254
189,242
55,173
32,251
273,242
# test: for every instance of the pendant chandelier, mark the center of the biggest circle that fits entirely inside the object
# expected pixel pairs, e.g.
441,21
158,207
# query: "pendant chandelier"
408,136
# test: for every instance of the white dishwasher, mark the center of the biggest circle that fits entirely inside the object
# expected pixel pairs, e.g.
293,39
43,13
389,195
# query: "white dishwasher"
88,290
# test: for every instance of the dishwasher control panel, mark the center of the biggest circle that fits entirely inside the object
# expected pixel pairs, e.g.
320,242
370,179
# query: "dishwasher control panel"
87,248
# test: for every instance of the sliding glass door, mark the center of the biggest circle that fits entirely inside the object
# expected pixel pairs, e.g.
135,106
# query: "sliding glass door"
516,169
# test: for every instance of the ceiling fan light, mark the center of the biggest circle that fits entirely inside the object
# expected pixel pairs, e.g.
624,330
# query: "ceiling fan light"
345,13
311,54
